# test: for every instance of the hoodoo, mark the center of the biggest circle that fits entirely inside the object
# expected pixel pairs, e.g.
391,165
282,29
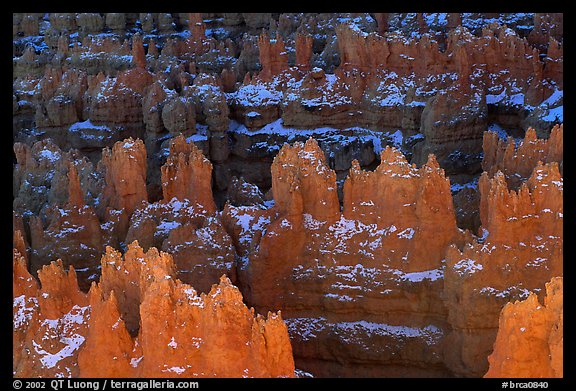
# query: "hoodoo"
287,195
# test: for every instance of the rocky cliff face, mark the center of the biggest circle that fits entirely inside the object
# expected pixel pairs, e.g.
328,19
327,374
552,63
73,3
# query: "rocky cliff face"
166,73
420,189
330,272
520,250
320,265
517,162
176,333
187,174
73,233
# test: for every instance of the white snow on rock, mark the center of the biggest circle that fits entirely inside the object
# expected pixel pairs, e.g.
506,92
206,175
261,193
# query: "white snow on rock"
49,155
135,361
408,233
173,344
432,275
64,327
256,95
353,332
305,328
177,370
25,309
165,227
508,293
79,126
467,267
456,187
302,373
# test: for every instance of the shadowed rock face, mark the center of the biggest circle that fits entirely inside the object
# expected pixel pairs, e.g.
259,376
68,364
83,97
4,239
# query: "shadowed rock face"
327,164
517,162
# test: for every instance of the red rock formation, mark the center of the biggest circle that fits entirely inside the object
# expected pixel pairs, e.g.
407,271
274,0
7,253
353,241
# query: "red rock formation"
321,268
50,326
382,20
178,116
111,103
454,20
125,175
116,22
61,98
152,106
496,50
187,174
19,243
245,345
197,32
106,340
530,337
554,61
273,56
411,199
207,95
201,248
520,161
73,234
362,294
138,55
33,165
319,100
89,23
25,305
536,205
228,78
458,139
302,182
30,25
520,250
137,79
303,52
546,26
241,192
61,332
183,223
124,171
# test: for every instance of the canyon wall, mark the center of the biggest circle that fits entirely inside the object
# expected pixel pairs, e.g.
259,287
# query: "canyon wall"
389,182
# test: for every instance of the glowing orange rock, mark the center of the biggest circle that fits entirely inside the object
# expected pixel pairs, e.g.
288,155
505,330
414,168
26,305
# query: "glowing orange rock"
399,194
60,331
273,56
302,182
530,337
519,250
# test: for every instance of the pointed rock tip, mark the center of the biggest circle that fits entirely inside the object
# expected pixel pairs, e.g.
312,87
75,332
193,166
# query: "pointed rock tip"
530,134
224,280
432,162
